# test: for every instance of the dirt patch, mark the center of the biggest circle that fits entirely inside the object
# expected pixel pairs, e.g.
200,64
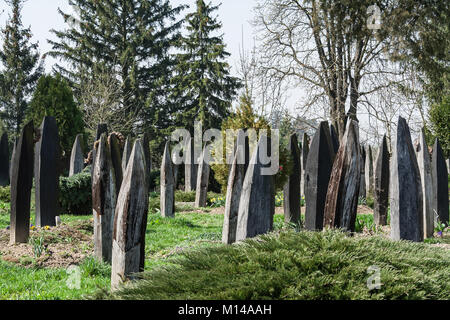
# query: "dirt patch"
365,210
384,231
61,247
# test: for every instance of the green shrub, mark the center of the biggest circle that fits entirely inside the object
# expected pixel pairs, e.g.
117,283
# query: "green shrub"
5,194
218,202
212,197
246,118
181,196
299,266
440,123
75,193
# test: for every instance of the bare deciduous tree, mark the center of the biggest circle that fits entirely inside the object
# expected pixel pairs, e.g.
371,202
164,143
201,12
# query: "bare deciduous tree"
267,91
327,48
101,97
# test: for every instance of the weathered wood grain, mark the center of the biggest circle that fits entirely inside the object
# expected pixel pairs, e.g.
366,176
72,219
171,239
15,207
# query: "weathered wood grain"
132,206
343,189
21,184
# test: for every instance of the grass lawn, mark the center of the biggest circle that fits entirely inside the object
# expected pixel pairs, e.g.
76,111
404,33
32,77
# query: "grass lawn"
165,238
185,260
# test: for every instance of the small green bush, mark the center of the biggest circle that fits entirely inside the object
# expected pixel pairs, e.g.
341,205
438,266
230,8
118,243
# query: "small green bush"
38,246
181,196
75,193
440,123
218,202
5,194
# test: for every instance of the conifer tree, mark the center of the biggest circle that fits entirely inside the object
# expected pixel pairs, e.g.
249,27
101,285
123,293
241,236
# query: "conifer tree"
131,39
203,87
54,97
22,68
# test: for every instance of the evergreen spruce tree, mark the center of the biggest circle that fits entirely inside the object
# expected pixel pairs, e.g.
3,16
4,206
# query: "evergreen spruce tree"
203,87
418,31
132,40
22,68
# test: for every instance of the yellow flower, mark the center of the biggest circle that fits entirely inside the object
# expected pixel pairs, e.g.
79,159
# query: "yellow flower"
33,227
47,228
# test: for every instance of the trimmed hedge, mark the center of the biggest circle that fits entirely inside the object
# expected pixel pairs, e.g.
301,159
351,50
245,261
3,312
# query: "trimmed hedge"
75,193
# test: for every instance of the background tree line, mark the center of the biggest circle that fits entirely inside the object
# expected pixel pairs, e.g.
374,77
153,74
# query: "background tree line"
140,66
345,68
126,63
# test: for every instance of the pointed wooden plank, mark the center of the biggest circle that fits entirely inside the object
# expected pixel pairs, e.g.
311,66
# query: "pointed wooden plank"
334,138
381,185
424,163
21,184
104,198
176,170
256,207
132,207
368,171
405,189
234,187
234,191
292,188
343,189
440,184
145,142
102,128
201,194
76,157
190,167
116,159
317,176
126,153
362,184
147,154
305,151
12,157
167,185
46,174
4,161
